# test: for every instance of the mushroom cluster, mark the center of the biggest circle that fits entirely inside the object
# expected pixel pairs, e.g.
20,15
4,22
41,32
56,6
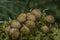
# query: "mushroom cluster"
26,22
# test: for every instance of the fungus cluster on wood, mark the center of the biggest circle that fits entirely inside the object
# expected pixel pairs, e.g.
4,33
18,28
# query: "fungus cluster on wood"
25,22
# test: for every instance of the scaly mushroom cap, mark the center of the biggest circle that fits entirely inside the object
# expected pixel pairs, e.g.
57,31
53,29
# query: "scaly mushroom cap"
15,24
21,17
7,29
49,19
25,29
30,24
31,17
37,13
14,33
45,29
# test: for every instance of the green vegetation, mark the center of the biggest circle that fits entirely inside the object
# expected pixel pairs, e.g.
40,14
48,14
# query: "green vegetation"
11,9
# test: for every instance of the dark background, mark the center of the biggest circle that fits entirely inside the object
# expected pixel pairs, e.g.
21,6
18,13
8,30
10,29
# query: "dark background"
12,8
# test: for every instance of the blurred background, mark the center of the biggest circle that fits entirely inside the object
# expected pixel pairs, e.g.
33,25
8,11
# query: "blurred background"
12,8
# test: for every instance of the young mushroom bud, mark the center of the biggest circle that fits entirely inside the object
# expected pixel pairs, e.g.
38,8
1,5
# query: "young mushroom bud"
30,24
45,29
15,24
37,13
25,29
53,29
7,29
31,17
21,17
14,33
49,19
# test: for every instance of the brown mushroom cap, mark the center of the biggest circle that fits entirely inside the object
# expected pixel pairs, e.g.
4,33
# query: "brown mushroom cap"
15,24
21,17
45,29
31,17
30,24
25,29
7,29
14,33
49,19
37,13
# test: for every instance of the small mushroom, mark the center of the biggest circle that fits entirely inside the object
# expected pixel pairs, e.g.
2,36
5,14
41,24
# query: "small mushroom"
37,13
49,19
45,29
15,24
53,29
25,29
21,17
7,29
14,33
30,24
31,17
